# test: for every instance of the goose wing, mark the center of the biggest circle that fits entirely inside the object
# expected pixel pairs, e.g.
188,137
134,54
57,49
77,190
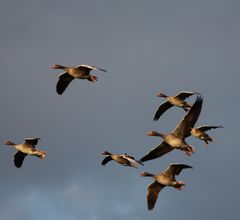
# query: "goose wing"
183,129
64,80
152,194
175,169
18,158
31,141
156,152
133,162
106,160
183,95
87,68
208,127
161,109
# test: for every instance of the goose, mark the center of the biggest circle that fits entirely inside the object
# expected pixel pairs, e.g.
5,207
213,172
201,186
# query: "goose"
177,100
199,132
123,159
165,178
24,149
74,72
176,139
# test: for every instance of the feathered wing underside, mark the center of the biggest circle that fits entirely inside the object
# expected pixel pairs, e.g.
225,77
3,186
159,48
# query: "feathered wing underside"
19,158
64,80
87,68
133,162
161,109
152,194
175,169
156,152
106,160
31,141
208,127
183,95
183,129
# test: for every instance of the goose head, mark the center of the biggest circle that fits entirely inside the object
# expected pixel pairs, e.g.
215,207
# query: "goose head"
8,142
57,66
146,174
106,153
154,133
161,95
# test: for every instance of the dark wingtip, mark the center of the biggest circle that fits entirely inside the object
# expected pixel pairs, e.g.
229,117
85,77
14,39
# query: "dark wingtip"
59,92
199,98
103,163
140,162
106,152
199,101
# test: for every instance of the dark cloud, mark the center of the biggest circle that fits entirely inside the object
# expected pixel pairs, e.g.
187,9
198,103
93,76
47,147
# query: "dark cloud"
165,46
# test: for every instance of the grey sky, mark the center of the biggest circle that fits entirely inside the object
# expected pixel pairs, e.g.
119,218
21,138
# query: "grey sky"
147,47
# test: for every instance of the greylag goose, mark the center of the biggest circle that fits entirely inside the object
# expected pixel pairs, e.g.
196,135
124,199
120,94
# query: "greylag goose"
24,149
123,159
177,100
74,72
199,132
165,178
176,139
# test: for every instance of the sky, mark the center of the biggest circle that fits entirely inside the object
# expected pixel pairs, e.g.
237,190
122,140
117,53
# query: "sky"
147,47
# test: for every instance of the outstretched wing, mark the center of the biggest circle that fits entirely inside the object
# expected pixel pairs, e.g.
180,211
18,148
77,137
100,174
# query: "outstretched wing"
106,160
64,80
161,109
175,169
18,158
31,141
133,162
156,152
183,95
208,127
87,68
183,129
152,194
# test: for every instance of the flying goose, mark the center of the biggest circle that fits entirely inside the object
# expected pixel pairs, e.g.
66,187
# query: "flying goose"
123,159
24,149
177,100
165,178
176,139
74,72
199,132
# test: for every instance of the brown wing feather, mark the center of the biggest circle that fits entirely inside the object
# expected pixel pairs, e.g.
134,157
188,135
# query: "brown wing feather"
87,68
175,169
106,160
208,127
161,109
63,82
31,141
18,158
156,152
84,69
183,129
184,95
152,194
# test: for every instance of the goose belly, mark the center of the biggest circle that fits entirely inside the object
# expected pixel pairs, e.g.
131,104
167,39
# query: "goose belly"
163,180
25,149
177,102
174,141
76,74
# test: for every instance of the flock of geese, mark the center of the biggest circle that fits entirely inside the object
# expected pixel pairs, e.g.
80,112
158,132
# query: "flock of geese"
173,140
